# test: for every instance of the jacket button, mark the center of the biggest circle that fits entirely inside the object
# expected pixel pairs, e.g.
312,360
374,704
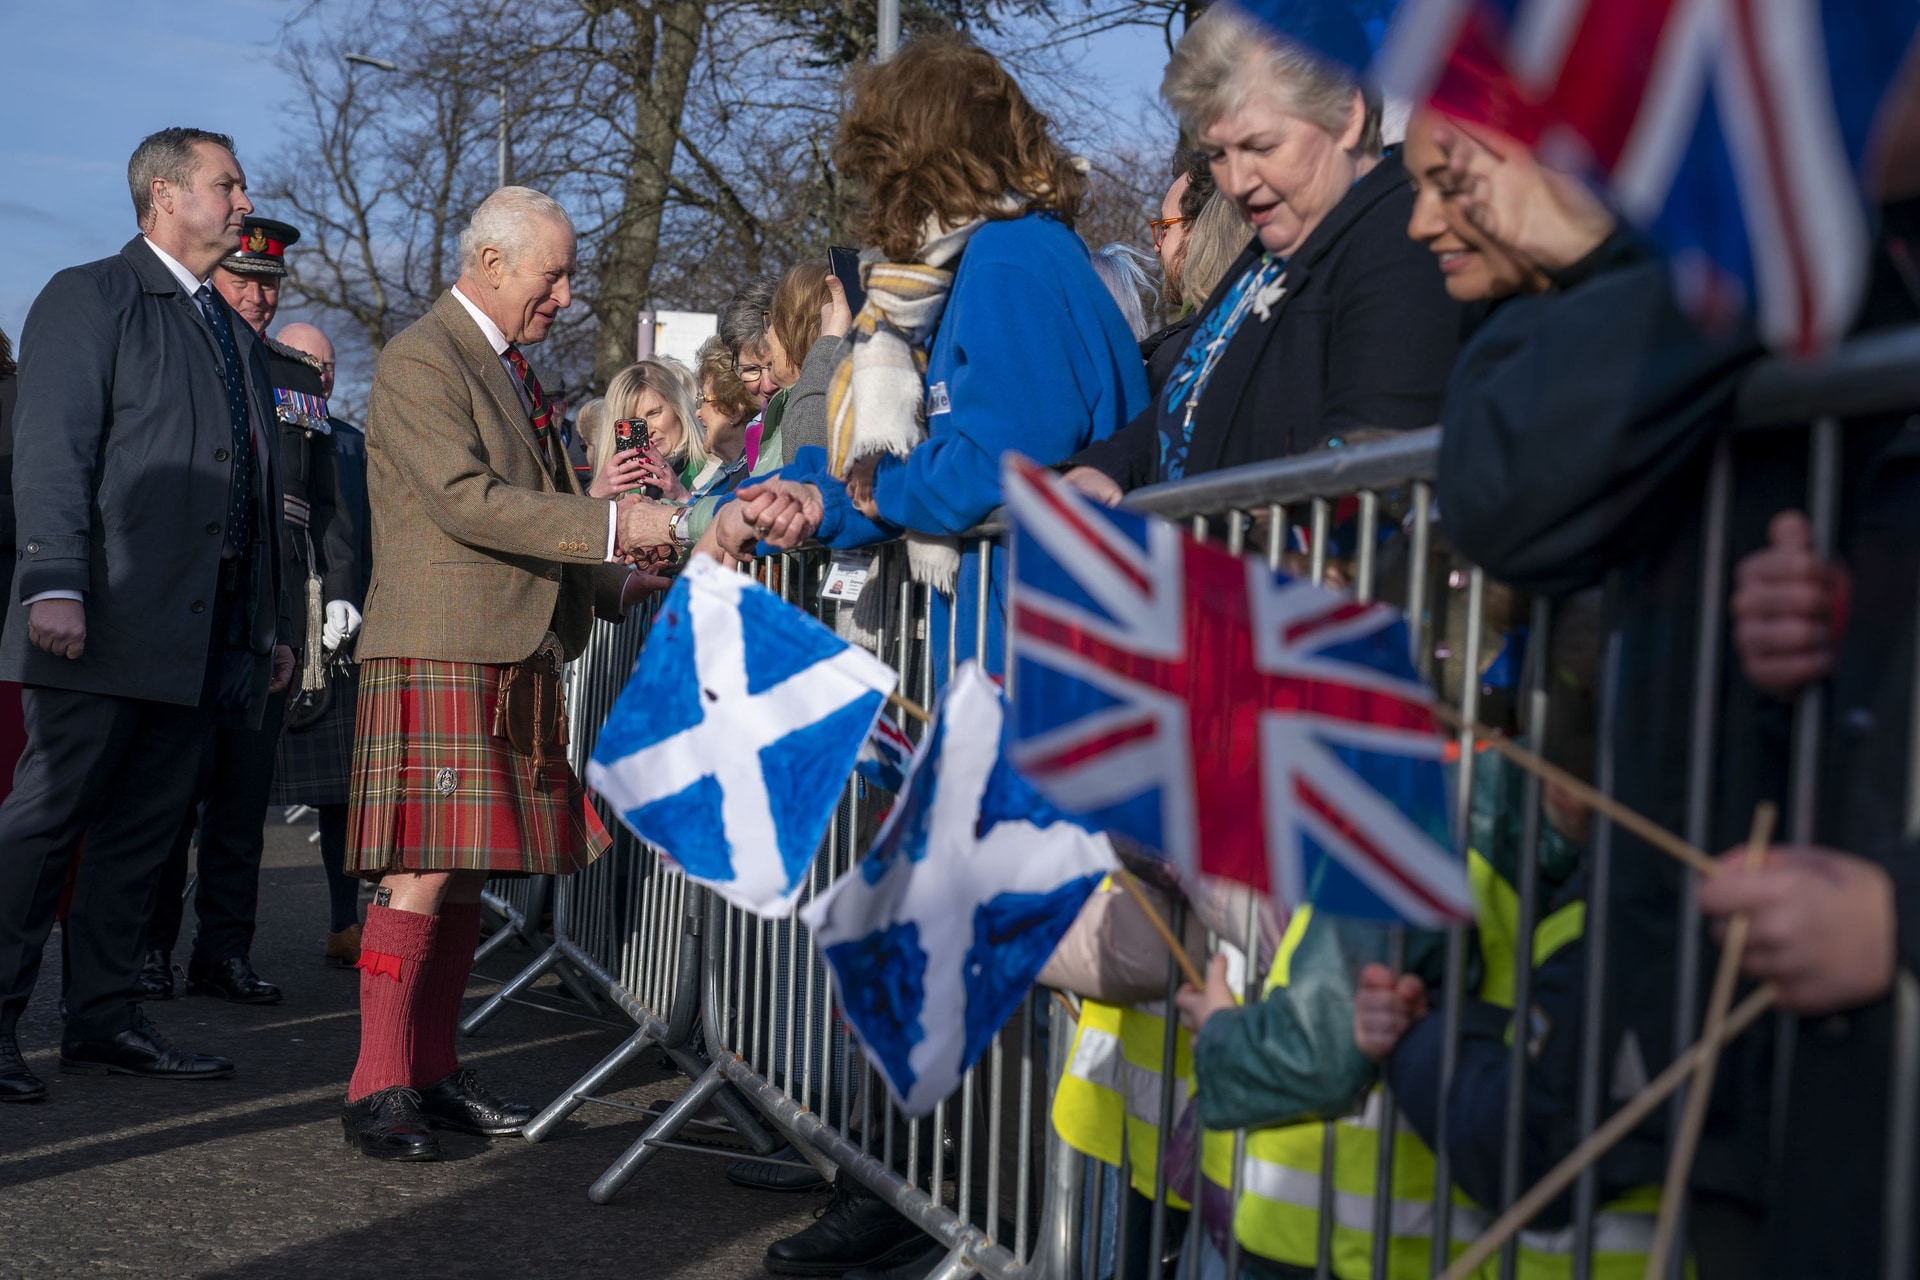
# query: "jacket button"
213,527
33,546
198,606
219,455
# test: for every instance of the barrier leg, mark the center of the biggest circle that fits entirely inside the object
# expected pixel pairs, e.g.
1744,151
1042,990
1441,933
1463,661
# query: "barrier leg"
569,1102
955,1266
515,985
671,1121
730,1104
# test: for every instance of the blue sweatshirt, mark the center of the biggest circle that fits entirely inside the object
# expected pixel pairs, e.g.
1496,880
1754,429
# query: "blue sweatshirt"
1031,354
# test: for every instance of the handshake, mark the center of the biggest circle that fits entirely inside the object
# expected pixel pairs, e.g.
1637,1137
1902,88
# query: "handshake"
643,533
781,513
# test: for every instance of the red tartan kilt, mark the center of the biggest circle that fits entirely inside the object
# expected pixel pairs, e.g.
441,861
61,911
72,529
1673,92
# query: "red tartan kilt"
434,789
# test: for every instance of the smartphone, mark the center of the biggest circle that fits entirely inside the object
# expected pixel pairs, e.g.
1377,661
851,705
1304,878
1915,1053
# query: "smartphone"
845,263
632,433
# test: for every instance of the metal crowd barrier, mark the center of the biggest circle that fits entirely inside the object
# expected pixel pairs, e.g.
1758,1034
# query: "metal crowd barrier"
985,1175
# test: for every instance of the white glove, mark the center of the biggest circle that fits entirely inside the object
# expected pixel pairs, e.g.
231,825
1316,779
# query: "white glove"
343,623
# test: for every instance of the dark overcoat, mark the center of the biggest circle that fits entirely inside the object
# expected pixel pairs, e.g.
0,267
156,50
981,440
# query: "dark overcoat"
122,461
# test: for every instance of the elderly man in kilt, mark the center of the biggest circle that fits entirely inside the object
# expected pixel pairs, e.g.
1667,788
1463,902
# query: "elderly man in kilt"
488,566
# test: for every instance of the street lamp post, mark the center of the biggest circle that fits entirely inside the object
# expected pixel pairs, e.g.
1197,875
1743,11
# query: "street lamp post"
502,160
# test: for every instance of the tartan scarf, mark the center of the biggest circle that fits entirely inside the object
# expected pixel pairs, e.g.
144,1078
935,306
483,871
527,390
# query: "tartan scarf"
877,396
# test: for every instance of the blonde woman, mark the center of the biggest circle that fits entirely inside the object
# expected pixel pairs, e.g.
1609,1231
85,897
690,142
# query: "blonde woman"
660,392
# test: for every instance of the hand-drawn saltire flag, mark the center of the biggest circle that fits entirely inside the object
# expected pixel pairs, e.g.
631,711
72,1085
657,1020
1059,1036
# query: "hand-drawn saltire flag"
884,755
934,938
1736,132
728,747
1247,725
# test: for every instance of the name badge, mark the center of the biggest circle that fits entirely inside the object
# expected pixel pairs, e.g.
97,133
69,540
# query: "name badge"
847,575
937,401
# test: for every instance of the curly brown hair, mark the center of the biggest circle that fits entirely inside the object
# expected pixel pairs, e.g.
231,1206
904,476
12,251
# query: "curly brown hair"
941,128
796,309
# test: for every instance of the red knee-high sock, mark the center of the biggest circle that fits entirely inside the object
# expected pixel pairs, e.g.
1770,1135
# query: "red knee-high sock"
434,1057
396,951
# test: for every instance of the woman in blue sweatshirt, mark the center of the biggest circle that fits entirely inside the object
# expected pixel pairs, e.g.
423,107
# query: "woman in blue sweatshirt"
1029,352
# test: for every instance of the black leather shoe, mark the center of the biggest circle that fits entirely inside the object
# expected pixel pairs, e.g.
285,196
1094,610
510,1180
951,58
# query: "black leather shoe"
461,1102
918,1269
791,1173
156,975
230,979
856,1229
140,1050
387,1125
17,1084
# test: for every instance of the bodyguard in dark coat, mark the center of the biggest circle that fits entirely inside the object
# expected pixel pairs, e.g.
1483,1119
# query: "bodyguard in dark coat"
148,601
317,557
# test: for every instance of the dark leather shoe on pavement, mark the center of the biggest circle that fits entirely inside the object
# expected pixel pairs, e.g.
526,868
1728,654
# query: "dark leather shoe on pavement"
140,1050
387,1125
918,1269
461,1102
790,1173
156,975
856,1229
17,1084
230,979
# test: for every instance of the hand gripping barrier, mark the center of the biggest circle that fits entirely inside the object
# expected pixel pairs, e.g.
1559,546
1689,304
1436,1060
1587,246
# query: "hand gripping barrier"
988,1178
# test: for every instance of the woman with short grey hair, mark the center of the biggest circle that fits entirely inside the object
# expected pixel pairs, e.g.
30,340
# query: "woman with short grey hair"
1327,322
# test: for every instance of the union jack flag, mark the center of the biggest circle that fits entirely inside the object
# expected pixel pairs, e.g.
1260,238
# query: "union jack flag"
1736,132
1247,725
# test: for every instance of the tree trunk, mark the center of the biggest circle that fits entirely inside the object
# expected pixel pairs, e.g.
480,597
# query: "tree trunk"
659,63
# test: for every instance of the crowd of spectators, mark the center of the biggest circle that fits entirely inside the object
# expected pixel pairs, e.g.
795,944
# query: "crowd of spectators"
1318,283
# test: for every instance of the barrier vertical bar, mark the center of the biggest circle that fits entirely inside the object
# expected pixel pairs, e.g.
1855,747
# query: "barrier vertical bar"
1702,761
1527,886
1599,911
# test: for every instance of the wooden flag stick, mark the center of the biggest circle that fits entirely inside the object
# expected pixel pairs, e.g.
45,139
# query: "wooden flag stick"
1652,832
913,709
1126,881
1601,1140
1680,1164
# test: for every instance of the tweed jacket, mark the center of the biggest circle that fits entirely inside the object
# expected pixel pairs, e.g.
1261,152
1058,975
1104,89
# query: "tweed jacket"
479,546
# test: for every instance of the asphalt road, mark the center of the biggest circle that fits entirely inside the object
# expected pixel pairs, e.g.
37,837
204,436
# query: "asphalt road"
250,1177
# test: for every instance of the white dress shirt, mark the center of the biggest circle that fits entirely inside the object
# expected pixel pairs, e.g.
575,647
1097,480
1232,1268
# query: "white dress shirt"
498,339
187,282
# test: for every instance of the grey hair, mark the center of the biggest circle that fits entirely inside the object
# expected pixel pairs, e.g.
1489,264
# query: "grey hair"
1226,58
503,221
1127,271
745,319
168,156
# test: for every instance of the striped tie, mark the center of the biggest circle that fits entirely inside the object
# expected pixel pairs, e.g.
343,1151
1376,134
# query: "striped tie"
542,411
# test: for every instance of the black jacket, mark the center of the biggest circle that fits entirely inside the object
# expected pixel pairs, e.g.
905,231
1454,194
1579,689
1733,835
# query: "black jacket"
1363,337
9,392
1578,435
120,474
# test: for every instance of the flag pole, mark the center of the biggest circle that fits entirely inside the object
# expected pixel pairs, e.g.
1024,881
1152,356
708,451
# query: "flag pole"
1680,1165
1602,1140
1180,956
1652,832
913,709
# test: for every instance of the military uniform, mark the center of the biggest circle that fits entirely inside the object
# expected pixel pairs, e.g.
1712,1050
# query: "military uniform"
319,551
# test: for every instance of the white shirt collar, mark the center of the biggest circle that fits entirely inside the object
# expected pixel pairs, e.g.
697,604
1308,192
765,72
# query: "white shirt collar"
491,330
180,273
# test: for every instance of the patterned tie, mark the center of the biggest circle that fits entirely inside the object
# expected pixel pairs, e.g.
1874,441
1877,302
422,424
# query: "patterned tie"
542,411
240,489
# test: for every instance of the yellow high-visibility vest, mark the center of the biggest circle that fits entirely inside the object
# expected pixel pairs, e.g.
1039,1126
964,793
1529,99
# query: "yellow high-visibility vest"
1282,1189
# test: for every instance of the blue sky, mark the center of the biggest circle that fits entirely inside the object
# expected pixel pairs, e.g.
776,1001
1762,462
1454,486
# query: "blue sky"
87,79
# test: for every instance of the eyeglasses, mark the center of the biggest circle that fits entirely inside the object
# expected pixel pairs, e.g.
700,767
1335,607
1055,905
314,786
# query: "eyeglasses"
751,372
1160,227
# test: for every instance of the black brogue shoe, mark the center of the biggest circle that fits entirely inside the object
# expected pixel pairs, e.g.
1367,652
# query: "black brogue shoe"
461,1102
387,1125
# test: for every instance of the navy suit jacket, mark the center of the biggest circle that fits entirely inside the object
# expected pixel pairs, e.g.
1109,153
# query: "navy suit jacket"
121,466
